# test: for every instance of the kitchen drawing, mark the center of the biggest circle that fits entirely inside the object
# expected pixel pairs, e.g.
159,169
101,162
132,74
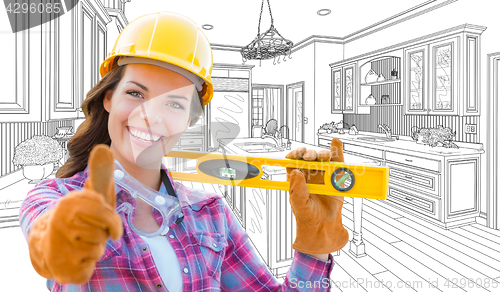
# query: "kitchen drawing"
410,85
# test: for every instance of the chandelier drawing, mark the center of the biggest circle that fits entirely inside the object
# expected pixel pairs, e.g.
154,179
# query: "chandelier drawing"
268,45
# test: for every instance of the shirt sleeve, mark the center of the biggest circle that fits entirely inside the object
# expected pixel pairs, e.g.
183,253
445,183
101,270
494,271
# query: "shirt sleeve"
40,199
244,270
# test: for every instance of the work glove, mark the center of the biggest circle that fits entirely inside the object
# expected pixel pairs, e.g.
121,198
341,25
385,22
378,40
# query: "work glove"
66,241
318,217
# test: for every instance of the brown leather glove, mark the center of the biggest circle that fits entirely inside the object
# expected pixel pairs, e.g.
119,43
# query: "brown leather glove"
66,241
319,217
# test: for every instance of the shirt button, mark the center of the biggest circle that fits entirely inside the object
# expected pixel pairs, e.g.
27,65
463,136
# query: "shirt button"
171,236
215,245
144,248
159,286
185,270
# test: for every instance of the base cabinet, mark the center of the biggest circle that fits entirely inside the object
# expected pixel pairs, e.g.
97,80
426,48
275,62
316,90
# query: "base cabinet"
416,202
236,200
442,189
271,226
445,193
463,189
194,139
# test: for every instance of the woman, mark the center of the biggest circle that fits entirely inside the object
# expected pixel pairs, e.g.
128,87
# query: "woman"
154,85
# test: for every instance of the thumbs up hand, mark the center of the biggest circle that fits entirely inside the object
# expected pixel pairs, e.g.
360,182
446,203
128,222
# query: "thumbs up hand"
66,241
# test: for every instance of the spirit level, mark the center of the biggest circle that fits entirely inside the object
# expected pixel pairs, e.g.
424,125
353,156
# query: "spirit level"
341,179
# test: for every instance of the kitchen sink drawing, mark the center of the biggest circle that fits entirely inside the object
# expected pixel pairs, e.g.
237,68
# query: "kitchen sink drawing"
375,139
257,147
409,85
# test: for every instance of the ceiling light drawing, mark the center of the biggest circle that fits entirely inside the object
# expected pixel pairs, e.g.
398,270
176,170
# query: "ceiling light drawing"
324,12
207,26
268,45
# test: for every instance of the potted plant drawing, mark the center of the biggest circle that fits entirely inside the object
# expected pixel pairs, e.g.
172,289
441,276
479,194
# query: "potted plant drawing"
37,156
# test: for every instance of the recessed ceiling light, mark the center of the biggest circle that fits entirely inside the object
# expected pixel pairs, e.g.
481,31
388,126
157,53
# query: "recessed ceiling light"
324,12
207,26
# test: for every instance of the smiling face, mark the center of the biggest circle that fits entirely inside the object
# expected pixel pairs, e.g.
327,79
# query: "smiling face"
148,112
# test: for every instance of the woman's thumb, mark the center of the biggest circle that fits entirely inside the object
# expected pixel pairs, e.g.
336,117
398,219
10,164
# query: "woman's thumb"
336,148
303,205
101,169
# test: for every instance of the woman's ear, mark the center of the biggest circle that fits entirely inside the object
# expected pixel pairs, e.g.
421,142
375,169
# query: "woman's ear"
107,100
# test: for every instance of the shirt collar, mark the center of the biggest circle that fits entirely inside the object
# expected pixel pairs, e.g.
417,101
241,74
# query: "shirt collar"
194,198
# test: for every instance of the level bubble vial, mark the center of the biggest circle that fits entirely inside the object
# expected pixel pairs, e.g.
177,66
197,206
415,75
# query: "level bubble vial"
227,172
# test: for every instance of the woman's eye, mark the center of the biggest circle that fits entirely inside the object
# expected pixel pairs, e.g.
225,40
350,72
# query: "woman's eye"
175,105
135,93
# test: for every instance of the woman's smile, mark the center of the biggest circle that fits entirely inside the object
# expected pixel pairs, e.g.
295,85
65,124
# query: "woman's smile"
143,136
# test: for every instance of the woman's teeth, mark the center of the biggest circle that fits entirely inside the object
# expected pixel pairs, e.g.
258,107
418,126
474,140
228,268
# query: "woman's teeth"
144,136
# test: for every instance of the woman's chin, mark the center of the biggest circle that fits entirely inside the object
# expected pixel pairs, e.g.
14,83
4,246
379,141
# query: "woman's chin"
150,157
147,158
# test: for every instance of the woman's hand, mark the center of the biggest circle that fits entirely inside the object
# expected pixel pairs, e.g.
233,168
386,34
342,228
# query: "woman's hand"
66,241
319,217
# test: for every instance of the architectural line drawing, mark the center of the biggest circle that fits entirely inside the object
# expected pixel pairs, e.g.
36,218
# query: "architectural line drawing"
412,85
225,116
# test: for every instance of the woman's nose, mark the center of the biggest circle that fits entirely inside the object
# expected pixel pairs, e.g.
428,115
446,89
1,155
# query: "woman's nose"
150,113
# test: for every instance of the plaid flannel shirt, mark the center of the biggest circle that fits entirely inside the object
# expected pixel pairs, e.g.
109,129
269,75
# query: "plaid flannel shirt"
213,249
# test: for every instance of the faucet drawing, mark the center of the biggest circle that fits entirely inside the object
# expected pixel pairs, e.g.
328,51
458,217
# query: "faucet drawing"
279,137
285,143
387,131
279,146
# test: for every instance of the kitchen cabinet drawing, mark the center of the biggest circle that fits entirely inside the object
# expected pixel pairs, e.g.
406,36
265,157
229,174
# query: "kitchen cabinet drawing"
410,85
376,89
345,90
228,116
432,75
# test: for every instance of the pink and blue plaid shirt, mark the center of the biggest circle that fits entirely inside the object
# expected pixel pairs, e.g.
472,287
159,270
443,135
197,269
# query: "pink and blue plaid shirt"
214,252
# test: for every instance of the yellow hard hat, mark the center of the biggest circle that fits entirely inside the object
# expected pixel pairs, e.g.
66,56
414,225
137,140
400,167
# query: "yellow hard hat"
168,37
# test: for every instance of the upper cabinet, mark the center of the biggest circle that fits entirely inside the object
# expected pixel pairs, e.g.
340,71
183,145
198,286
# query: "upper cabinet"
415,79
55,64
77,58
380,80
345,87
437,74
441,76
21,69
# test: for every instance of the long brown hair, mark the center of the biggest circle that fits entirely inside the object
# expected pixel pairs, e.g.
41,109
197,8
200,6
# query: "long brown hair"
94,130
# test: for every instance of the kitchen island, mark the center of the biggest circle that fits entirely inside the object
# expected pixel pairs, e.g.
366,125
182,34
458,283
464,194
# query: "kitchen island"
436,184
266,214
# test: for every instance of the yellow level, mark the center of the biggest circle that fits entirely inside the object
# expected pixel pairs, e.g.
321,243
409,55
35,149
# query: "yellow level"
341,179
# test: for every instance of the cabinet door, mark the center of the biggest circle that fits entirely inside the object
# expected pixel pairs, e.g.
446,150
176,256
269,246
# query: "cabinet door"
463,188
257,220
188,165
349,88
443,77
337,90
415,80
471,104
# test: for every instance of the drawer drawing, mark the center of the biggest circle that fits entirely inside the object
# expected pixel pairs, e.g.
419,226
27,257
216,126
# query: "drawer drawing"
414,161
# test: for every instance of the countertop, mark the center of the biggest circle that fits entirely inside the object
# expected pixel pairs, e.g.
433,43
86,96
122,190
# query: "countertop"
230,148
407,145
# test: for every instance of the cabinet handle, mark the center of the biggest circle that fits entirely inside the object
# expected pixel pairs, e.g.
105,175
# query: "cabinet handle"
408,199
409,160
408,177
